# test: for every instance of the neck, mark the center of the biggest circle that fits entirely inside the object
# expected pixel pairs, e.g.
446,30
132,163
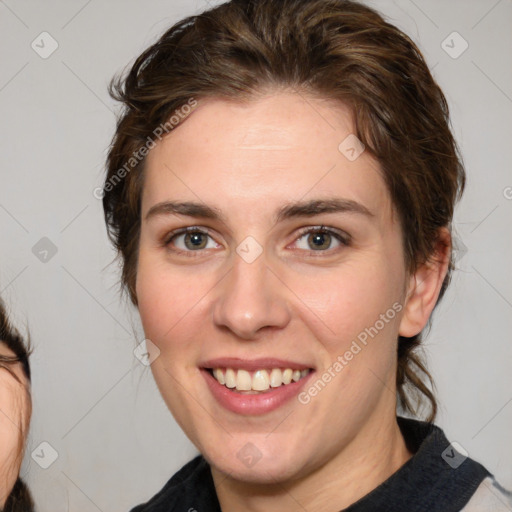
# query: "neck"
373,456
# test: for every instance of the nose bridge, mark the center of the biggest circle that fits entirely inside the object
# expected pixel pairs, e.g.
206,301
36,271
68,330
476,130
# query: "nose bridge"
250,297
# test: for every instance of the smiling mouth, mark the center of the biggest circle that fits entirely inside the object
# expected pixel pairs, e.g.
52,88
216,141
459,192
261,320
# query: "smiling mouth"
258,381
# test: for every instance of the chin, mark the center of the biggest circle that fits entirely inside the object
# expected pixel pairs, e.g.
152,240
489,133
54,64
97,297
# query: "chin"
257,461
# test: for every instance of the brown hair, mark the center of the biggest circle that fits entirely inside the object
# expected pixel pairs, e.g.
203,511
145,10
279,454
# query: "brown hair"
333,49
19,499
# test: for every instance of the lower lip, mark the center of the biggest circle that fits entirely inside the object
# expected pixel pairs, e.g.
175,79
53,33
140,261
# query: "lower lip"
260,403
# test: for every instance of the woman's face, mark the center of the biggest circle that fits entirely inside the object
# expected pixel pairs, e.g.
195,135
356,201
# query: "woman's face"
259,290
14,411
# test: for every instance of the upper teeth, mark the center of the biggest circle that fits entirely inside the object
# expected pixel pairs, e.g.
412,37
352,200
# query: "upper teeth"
260,380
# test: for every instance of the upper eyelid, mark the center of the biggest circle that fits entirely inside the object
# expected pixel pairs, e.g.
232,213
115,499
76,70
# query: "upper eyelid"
322,227
189,229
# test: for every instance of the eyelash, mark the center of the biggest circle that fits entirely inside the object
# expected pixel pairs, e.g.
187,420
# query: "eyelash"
341,237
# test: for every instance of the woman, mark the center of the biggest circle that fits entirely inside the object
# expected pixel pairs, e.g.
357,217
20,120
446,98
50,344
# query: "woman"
16,408
280,189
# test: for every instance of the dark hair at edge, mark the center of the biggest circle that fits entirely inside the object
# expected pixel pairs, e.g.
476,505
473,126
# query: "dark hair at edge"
337,50
19,499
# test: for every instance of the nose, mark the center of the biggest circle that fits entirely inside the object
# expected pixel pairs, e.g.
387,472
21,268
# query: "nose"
251,299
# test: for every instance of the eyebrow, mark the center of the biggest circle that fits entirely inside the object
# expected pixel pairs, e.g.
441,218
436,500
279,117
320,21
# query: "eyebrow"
297,209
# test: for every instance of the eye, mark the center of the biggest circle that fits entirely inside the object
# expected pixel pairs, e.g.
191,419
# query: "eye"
321,239
191,239
313,239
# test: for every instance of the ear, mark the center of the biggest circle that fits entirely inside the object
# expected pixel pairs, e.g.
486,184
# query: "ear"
424,287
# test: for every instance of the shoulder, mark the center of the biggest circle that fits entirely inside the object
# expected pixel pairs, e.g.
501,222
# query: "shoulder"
489,496
191,487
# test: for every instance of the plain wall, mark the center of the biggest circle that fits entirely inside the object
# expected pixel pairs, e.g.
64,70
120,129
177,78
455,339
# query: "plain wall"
94,403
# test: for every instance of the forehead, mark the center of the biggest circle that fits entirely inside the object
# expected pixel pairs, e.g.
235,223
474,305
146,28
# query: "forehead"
16,367
283,146
5,350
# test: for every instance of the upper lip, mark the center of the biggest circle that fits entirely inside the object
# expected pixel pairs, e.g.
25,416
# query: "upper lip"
253,364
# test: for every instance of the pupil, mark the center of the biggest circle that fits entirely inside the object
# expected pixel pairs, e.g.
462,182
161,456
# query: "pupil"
194,239
319,240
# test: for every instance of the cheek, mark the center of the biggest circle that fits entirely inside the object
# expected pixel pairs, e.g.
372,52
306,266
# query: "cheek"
11,419
168,298
359,307
8,422
344,303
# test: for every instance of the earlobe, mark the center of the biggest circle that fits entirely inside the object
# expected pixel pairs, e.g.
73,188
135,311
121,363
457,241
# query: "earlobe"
424,287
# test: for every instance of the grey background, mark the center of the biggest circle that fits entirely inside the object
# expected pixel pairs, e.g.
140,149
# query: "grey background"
94,403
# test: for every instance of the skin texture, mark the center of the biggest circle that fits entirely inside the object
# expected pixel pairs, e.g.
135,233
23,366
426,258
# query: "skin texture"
292,302
13,412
